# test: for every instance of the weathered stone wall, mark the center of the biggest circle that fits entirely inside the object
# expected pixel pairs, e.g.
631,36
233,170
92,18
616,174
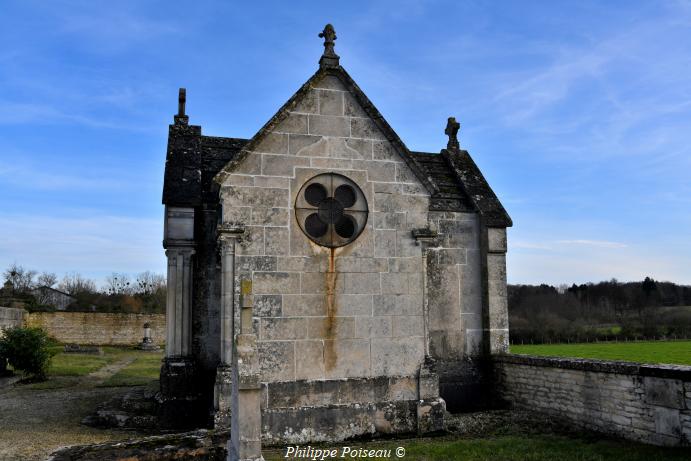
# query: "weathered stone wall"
98,328
11,317
454,286
646,403
356,311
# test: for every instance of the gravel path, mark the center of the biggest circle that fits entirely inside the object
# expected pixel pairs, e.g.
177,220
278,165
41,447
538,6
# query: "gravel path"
34,423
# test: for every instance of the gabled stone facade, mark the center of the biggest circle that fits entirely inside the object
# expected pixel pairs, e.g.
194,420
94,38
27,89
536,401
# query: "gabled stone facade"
346,325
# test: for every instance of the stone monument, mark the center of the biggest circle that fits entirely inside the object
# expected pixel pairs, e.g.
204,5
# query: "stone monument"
324,280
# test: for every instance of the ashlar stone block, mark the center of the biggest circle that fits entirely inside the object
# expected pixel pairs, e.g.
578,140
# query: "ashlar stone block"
394,283
373,327
326,125
329,82
268,216
293,123
276,360
347,358
350,305
308,104
397,356
304,305
408,325
357,283
276,283
384,243
267,306
352,107
365,128
273,143
282,165
309,360
397,304
330,102
331,327
274,240
283,328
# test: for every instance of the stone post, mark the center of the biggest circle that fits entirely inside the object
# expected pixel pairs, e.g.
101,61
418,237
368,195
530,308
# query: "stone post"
178,400
179,301
228,236
498,314
247,418
426,238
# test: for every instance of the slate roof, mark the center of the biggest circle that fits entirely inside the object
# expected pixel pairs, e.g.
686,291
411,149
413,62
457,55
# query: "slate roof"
196,165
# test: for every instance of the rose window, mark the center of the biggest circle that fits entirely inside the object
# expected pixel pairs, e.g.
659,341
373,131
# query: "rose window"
331,210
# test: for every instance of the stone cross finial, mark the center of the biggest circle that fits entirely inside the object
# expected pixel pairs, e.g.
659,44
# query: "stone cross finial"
182,99
452,127
181,118
329,58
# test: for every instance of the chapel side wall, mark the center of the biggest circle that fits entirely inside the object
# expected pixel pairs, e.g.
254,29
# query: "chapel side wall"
206,293
645,403
456,317
454,286
378,327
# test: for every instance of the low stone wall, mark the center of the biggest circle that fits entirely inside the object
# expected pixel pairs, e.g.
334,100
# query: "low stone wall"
11,317
95,328
646,403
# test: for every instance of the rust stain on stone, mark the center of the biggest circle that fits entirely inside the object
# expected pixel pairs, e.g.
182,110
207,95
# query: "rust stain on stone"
331,309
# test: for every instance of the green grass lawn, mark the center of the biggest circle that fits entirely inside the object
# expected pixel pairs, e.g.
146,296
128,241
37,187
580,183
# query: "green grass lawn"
144,370
673,352
514,448
74,364
66,369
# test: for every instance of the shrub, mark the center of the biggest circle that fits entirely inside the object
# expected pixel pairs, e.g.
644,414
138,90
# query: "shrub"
27,349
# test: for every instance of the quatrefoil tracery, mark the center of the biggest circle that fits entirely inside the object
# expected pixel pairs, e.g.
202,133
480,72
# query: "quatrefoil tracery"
331,210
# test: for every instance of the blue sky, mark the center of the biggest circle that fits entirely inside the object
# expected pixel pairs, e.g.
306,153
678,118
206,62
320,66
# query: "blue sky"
577,112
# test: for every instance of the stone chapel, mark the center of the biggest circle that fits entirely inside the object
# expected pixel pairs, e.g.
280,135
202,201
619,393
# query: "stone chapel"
324,280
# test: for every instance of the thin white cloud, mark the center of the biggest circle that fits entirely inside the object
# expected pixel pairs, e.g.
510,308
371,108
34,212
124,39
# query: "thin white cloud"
22,174
594,243
12,113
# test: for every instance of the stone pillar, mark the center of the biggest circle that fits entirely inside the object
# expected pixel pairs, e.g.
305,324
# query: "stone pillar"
430,407
498,312
247,418
179,302
179,407
427,239
228,236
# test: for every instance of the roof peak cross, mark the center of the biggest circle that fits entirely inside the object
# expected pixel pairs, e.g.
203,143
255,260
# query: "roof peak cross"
452,127
329,58
181,118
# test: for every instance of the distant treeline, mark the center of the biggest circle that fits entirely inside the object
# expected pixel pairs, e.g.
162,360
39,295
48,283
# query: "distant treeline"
26,288
602,311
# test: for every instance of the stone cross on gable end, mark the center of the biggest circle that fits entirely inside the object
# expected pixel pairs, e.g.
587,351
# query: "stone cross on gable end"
329,58
182,98
452,127
181,118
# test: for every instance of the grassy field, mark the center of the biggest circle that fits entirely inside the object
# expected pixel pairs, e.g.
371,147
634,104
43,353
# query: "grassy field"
512,448
672,352
115,367
142,371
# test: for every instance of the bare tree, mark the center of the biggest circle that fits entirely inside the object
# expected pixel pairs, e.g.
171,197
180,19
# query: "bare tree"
118,284
21,279
149,283
76,284
47,279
